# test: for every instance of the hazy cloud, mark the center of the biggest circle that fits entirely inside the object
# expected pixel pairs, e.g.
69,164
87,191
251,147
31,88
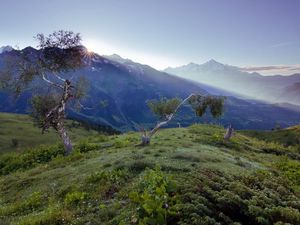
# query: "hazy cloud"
274,69
283,44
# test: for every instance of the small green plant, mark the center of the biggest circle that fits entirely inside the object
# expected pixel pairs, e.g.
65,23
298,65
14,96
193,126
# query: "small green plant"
114,176
27,159
30,204
155,200
74,198
290,168
84,146
122,143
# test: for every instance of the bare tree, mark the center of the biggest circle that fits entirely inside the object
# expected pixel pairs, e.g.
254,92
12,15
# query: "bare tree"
166,110
58,54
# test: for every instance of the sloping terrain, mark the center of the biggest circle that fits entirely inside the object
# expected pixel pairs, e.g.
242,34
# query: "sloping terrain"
276,88
287,137
186,176
18,133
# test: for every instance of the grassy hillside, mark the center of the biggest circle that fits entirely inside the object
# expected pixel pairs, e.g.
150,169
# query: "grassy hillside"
17,132
288,137
187,176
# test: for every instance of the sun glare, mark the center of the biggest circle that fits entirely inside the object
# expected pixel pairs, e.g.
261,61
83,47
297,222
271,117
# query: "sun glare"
104,48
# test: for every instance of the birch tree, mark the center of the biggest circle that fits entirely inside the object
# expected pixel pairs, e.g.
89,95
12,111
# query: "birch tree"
57,54
166,109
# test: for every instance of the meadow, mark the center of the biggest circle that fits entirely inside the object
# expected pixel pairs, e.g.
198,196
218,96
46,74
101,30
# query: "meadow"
186,176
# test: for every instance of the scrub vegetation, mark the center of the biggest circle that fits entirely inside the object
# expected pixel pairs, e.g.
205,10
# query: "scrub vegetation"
186,176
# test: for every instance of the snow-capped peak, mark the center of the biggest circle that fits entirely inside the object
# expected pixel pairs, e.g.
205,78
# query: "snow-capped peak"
213,63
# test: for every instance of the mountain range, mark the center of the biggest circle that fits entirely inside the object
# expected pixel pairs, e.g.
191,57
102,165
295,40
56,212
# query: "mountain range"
119,89
275,89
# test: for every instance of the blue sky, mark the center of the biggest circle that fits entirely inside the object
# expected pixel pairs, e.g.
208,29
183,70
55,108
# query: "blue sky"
165,33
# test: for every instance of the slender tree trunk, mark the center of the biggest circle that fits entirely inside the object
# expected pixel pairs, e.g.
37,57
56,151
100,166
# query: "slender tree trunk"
145,138
229,133
66,140
56,116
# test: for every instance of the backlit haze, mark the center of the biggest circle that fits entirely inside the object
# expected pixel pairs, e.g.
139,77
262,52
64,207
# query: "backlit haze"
257,35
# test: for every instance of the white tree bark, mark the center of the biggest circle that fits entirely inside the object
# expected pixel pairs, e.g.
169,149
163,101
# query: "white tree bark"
56,116
229,133
146,138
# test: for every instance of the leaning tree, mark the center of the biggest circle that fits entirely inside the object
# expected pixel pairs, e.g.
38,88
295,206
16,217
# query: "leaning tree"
58,54
165,109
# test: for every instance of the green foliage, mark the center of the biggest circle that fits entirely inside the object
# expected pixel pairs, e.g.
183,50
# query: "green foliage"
155,200
163,107
290,168
53,215
241,181
20,127
258,198
74,198
140,165
121,143
287,137
29,158
85,146
201,103
30,204
41,105
124,142
116,176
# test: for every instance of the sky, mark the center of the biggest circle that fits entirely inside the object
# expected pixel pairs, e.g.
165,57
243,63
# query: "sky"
258,35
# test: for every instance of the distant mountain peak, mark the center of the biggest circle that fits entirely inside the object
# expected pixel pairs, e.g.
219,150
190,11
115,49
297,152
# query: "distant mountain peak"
6,48
117,58
213,62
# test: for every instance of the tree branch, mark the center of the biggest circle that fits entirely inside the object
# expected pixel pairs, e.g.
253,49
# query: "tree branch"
50,82
169,117
83,107
59,77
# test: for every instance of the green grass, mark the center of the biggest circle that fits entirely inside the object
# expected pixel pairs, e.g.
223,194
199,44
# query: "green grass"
17,133
186,176
286,137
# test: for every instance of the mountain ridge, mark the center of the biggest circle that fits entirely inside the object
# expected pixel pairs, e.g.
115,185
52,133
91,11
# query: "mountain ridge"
231,78
119,92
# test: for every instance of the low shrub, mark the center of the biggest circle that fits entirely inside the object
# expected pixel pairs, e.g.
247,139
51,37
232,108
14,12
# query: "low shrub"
258,198
119,143
50,216
290,168
84,146
11,162
114,176
30,204
74,198
155,201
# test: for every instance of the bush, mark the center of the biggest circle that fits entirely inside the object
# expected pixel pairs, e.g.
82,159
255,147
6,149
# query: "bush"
74,198
11,162
86,147
114,176
30,204
54,215
121,143
258,198
155,201
290,168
